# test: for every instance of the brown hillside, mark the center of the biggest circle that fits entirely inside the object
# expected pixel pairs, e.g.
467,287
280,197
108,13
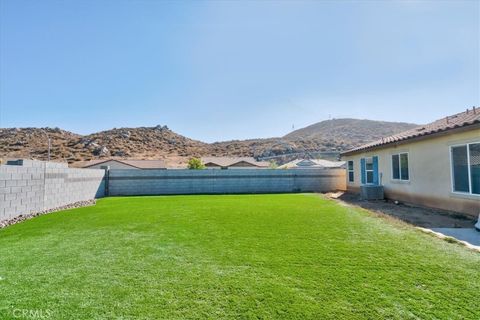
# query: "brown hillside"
162,143
351,131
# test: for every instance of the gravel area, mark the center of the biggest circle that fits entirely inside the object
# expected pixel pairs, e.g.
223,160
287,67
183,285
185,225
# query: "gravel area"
416,215
23,217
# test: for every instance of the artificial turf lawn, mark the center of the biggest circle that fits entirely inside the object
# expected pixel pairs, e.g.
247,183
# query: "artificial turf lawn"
246,256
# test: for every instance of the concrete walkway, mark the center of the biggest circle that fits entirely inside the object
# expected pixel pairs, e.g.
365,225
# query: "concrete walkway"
469,235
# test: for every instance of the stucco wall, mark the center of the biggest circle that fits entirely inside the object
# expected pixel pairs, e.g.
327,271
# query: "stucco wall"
430,173
140,182
35,186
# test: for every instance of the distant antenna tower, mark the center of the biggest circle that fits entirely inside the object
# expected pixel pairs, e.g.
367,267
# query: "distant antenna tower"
293,127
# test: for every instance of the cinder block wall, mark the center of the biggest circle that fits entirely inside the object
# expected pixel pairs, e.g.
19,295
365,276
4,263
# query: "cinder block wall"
149,182
28,186
33,186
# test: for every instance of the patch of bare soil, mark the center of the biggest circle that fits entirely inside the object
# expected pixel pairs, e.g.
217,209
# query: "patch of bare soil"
416,215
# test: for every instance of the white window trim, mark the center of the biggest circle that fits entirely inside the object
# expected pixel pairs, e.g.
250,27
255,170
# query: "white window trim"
400,167
352,171
469,170
373,170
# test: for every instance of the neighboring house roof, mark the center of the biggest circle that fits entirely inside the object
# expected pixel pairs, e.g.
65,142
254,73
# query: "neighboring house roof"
312,163
460,120
139,164
230,161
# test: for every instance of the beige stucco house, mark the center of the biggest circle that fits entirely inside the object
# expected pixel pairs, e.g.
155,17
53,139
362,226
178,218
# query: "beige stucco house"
435,165
234,163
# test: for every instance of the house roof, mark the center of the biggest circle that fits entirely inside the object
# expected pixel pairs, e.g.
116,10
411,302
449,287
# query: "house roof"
140,164
314,163
460,120
229,161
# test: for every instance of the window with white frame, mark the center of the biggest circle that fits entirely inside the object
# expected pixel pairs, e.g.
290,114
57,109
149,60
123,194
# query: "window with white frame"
351,175
369,169
400,167
465,162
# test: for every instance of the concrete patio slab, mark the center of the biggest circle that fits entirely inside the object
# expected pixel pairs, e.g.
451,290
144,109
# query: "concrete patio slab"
469,235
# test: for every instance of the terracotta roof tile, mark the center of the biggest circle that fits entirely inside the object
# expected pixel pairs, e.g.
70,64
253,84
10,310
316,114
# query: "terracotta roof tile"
458,120
229,161
146,164
140,164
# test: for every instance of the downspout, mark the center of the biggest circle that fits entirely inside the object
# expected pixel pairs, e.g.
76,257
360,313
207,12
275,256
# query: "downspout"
107,181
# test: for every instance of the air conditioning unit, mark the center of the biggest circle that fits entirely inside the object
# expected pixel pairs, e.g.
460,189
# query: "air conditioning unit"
371,192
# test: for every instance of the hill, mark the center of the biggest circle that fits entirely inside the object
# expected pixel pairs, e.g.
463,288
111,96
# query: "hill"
143,142
33,142
162,143
327,136
352,132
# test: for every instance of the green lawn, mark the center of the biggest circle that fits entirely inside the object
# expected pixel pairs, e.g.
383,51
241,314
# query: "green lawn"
246,256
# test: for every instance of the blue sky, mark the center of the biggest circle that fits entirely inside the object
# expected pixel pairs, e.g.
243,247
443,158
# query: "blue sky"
219,70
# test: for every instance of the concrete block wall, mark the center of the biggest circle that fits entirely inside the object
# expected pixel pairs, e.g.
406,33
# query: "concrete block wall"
21,189
64,186
151,182
33,186
28,186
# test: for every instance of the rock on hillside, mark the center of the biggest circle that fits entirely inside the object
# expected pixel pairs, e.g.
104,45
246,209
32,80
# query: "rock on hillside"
33,142
143,142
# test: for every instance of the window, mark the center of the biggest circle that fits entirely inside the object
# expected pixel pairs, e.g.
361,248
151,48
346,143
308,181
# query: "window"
474,159
351,176
369,169
465,162
400,167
